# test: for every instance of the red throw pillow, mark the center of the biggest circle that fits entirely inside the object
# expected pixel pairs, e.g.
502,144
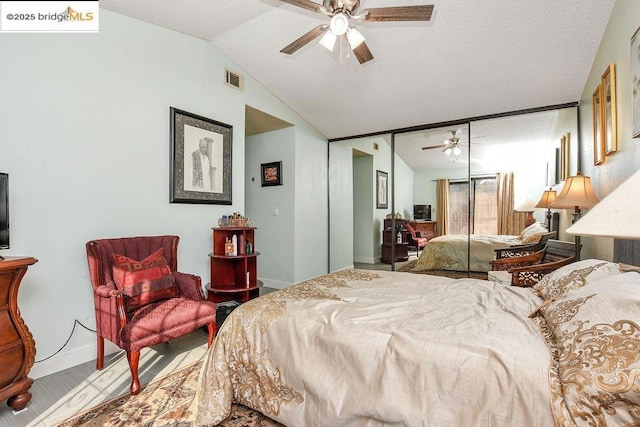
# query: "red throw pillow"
144,281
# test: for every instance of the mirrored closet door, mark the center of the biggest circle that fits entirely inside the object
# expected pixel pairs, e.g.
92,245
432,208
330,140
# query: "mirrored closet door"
466,179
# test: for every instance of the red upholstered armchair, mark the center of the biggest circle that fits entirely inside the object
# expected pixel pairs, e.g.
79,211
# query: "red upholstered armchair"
133,320
415,239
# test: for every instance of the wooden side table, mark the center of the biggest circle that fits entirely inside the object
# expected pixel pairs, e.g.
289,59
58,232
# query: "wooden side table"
17,347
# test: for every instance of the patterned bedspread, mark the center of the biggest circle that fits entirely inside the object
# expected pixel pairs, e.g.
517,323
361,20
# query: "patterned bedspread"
358,348
450,252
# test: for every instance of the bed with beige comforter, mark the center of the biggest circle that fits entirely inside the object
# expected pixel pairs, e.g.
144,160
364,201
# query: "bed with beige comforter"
359,348
450,252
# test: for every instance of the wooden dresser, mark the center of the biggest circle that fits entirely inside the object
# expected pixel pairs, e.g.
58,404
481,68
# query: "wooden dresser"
17,348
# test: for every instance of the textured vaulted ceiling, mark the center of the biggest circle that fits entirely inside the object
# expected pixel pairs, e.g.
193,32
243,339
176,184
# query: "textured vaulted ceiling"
473,58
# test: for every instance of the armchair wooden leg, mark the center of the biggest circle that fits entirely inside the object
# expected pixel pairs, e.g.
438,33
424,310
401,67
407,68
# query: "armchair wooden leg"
100,356
212,332
134,357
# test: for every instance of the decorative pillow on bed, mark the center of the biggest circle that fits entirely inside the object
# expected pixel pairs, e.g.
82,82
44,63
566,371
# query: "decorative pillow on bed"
597,335
532,233
573,276
144,281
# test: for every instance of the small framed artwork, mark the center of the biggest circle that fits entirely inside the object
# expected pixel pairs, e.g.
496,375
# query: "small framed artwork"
271,174
200,159
598,142
565,145
608,102
635,82
382,190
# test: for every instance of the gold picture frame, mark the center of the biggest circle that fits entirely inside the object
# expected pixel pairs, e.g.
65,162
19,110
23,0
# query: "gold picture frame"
564,156
598,143
608,101
635,83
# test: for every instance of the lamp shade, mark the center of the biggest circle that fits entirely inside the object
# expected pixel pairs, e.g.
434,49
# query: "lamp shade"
527,206
548,197
577,192
617,215
328,41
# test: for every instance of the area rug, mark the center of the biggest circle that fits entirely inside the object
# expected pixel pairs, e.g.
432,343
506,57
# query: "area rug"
408,268
164,402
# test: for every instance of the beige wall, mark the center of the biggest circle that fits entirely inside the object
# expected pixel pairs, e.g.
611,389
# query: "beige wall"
614,48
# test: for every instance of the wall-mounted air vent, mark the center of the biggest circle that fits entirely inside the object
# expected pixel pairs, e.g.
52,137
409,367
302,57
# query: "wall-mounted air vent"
233,79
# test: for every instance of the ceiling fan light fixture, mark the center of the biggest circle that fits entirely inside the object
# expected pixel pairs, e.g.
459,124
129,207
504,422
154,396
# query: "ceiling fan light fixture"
456,150
354,38
448,151
339,23
328,41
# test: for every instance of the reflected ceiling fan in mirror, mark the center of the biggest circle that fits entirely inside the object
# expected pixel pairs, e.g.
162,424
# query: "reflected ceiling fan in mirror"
451,145
341,13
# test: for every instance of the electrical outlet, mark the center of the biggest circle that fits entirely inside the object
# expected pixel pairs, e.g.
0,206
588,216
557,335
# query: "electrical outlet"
274,211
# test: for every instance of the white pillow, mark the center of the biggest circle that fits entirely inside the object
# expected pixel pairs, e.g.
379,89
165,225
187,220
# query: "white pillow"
532,233
565,279
596,361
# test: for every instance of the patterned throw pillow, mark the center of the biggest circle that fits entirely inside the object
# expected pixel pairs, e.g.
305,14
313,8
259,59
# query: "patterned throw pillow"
573,276
145,281
594,337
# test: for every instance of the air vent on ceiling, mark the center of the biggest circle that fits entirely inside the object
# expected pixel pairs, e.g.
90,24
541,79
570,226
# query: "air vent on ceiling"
233,79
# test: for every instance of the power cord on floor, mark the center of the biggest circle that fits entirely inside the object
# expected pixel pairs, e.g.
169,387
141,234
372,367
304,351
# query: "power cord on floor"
75,322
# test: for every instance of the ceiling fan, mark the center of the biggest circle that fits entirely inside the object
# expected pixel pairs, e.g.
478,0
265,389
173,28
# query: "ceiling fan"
341,13
451,145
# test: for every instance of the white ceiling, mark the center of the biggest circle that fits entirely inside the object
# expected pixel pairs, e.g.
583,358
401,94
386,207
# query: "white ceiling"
473,58
488,138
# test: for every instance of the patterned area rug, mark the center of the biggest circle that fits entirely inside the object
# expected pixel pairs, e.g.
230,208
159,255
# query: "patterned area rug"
408,268
164,402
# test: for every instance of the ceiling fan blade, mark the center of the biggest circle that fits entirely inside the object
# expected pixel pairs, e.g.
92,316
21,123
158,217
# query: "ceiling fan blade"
305,4
363,53
433,146
301,41
399,13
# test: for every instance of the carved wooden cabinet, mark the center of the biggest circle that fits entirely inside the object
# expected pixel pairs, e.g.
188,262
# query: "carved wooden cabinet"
17,347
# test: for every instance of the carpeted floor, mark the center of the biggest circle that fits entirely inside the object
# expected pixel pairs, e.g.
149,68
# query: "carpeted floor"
408,268
164,402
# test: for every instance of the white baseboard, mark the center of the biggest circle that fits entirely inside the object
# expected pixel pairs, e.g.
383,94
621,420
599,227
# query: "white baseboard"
277,284
366,260
62,361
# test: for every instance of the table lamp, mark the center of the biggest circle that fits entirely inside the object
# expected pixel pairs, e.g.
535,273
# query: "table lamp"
548,197
578,194
617,215
527,206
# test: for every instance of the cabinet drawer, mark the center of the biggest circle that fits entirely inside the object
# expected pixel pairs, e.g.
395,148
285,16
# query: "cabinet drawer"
11,361
6,278
8,332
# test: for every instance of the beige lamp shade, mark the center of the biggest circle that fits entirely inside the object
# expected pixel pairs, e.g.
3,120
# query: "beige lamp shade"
617,215
576,193
548,197
528,205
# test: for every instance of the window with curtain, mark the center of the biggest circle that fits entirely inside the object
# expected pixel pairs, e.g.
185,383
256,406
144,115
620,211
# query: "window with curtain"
484,206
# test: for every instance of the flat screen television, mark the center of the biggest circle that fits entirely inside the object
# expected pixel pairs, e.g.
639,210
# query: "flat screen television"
422,212
4,211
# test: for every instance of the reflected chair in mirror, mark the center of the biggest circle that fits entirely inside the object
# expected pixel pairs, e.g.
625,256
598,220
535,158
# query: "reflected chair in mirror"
141,299
526,249
415,239
527,270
